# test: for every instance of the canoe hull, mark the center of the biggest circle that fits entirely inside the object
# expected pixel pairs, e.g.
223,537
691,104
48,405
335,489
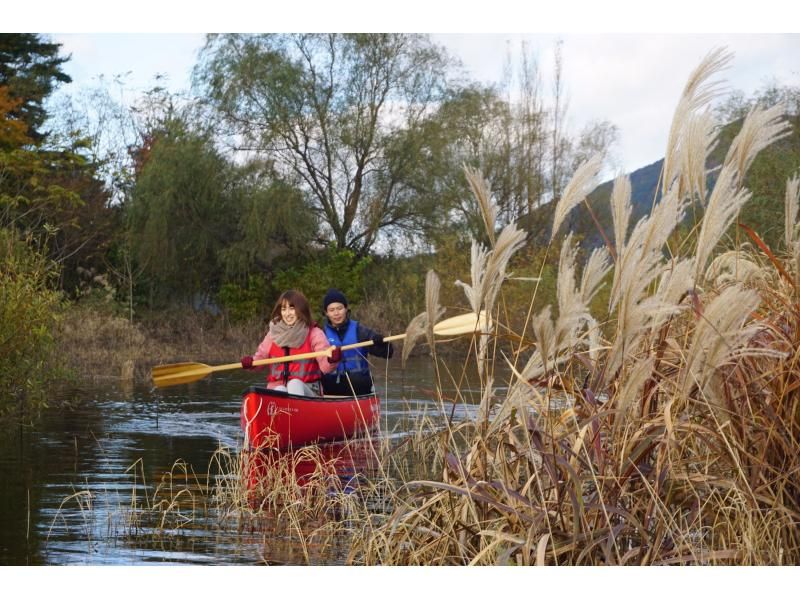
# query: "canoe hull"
274,419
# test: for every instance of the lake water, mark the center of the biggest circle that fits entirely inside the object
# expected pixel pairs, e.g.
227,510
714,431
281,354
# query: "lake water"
69,481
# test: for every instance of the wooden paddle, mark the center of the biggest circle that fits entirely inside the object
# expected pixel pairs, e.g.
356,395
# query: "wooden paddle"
183,373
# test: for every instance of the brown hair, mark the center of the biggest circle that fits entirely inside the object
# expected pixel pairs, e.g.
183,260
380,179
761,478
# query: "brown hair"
297,300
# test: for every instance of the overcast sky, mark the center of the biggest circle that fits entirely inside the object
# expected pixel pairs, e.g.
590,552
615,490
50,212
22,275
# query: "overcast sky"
629,78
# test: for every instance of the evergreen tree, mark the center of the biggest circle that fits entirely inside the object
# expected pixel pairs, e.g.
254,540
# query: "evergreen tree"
30,68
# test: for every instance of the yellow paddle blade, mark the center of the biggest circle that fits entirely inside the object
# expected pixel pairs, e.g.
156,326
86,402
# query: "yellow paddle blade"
174,368
179,373
463,324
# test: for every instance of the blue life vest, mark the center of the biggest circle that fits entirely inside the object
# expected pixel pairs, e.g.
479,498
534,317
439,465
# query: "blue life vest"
353,360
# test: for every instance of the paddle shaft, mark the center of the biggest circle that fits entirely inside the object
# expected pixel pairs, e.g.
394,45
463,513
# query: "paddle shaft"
203,370
169,375
452,327
311,355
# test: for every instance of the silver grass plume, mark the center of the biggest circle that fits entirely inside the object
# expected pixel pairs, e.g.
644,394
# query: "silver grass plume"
573,301
761,128
791,207
641,261
545,334
733,266
416,328
432,309
477,291
543,360
571,308
676,279
723,207
637,268
697,93
481,191
595,341
582,183
488,268
792,226
594,271
556,340
511,239
625,396
700,139
621,210
720,334
522,397
423,323
633,319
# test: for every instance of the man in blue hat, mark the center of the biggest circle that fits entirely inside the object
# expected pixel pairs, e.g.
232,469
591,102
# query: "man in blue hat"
352,376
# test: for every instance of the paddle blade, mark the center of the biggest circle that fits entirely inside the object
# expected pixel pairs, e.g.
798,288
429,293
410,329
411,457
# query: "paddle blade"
463,324
179,373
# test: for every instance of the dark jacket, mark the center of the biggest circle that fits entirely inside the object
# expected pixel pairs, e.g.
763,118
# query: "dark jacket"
337,383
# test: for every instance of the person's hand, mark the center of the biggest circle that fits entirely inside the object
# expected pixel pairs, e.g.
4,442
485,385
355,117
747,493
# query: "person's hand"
378,339
247,362
336,355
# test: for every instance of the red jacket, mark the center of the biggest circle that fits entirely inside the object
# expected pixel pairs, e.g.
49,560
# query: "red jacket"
307,370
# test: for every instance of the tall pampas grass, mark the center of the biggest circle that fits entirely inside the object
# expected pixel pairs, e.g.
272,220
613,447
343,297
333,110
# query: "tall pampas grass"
621,209
721,333
476,292
580,185
723,207
671,441
639,266
700,139
482,192
698,93
733,266
433,310
422,324
791,204
488,268
792,226
761,128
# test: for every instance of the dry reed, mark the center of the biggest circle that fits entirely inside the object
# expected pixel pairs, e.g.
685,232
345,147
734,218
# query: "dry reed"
673,441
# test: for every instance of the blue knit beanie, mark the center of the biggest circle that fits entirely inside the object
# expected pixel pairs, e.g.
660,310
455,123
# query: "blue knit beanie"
333,296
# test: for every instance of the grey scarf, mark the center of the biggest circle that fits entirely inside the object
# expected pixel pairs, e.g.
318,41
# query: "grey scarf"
288,336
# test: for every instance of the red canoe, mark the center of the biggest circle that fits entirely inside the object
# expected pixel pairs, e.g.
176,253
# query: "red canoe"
276,419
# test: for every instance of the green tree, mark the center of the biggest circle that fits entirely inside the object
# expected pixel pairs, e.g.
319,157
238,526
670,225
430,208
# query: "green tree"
28,316
48,182
30,67
325,107
179,214
333,267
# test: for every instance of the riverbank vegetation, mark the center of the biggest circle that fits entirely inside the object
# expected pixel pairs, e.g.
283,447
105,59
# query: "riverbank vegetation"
671,440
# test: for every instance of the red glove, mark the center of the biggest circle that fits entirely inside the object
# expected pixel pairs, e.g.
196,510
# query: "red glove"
336,355
247,362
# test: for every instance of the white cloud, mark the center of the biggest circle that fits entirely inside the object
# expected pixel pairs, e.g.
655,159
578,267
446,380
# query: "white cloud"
139,57
634,80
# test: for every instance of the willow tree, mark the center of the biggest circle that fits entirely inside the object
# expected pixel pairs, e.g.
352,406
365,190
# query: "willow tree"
325,108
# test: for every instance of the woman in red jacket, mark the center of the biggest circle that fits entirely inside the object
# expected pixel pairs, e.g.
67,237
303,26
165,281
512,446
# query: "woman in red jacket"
292,332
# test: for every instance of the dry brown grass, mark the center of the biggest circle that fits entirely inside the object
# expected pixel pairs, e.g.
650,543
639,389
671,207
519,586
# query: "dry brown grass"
676,440
103,345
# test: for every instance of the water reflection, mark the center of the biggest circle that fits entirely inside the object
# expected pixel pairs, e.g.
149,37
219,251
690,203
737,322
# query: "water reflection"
76,485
